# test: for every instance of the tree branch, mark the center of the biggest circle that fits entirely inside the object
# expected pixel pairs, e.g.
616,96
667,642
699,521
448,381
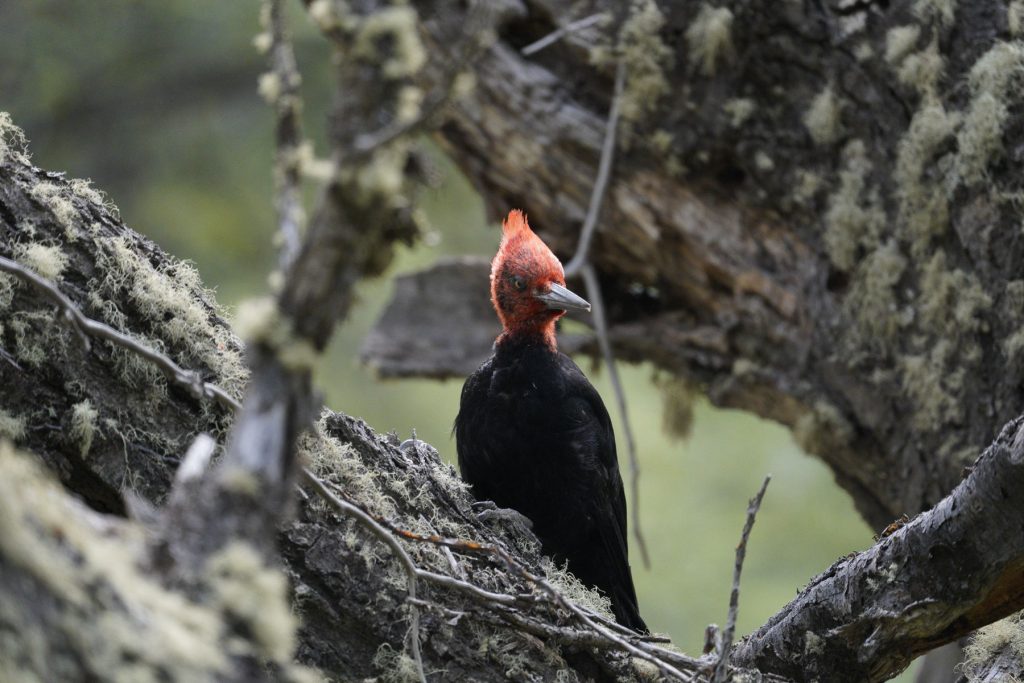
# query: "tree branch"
722,665
939,577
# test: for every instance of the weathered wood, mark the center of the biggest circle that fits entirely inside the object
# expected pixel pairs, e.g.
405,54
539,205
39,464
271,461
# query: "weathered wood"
822,191
930,582
957,565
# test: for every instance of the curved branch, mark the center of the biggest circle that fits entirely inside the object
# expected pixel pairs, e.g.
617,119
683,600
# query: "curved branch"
945,573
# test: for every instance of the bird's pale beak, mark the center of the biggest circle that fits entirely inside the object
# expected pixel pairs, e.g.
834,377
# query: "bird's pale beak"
562,299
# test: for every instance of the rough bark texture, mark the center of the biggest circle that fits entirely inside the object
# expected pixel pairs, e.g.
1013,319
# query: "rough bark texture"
347,591
872,613
956,567
810,212
811,215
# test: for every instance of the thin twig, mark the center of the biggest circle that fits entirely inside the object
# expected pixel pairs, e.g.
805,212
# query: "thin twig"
480,15
722,666
629,641
85,327
411,570
604,170
560,33
609,634
287,108
601,326
580,264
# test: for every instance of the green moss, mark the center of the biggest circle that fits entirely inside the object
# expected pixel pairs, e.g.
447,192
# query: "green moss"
1014,299
951,302
11,426
1013,348
52,197
7,285
933,387
83,188
382,177
922,70
256,596
13,145
807,185
269,86
1015,17
813,643
822,119
47,261
872,299
994,78
169,297
646,56
330,16
395,666
823,428
678,397
941,11
923,210
91,569
980,138
410,104
83,425
709,38
900,41
574,590
864,51
997,68
36,335
856,218
990,640
661,141
394,26
739,110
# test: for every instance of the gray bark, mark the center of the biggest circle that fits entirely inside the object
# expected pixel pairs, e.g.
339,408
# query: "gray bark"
956,564
811,215
842,263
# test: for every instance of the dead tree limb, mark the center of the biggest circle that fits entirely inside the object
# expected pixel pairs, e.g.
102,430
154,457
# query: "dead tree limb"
930,582
345,583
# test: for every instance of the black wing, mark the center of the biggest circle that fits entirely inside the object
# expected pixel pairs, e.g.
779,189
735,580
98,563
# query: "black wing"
593,439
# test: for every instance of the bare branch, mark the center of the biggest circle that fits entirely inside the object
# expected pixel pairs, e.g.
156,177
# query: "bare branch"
86,327
604,170
411,572
580,264
556,35
935,579
601,329
722,666
284,96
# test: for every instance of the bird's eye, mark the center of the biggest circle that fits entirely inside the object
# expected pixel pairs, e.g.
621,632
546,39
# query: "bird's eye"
518,282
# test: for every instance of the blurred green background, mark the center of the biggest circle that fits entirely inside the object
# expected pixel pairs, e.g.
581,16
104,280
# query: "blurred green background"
157,103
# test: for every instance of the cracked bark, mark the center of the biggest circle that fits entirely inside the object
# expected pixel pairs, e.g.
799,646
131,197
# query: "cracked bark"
957,567
714,241
721,273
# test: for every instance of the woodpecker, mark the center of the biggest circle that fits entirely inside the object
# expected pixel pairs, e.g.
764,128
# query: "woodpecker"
533,434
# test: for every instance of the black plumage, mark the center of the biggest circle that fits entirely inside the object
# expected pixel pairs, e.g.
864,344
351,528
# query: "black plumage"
533,434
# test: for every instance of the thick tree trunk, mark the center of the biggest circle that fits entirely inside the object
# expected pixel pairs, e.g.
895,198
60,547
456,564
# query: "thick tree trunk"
480,617
812,210
811,215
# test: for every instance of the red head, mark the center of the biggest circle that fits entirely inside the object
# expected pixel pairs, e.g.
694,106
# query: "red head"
528,284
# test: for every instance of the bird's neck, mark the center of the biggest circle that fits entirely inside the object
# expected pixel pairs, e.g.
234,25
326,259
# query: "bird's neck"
535,334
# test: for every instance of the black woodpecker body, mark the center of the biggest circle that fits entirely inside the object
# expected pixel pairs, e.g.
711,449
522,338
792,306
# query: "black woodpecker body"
533,434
